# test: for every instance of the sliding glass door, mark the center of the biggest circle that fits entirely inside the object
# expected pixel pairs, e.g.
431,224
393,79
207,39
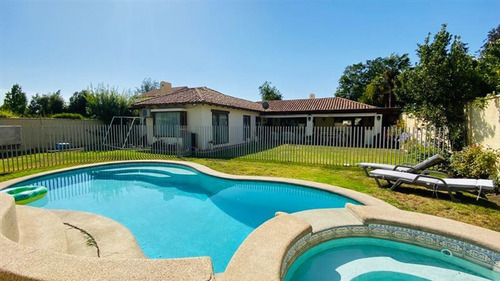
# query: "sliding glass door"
220,127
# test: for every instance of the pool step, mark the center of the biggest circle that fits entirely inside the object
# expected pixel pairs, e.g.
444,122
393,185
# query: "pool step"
142,174
323,219
46,229
42,229
111,238
158,170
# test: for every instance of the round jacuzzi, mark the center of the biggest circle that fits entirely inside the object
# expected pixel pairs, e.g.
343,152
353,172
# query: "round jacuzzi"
361,259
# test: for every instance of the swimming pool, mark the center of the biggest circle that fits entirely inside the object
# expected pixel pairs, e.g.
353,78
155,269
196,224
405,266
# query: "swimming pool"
360,259
175,211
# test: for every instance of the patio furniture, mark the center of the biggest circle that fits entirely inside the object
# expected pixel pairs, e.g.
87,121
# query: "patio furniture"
447,184
405,167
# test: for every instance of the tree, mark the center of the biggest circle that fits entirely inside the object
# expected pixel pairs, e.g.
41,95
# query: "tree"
15,100
438,88
375,92
268,92
78,102
489,61
382,89
39,105
147,85
104,102
56,103
382,72
493,35
46,105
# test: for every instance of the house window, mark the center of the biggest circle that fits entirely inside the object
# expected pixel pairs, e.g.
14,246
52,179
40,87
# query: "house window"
168,124
247,126
220,126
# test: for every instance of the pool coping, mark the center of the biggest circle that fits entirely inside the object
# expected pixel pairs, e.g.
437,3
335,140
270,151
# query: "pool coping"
258,251
274,259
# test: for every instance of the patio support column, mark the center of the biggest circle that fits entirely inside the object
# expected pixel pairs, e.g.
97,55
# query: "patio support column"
149,129
377,124
309,125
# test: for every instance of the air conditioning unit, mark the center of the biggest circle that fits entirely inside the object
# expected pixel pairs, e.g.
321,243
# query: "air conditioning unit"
146,112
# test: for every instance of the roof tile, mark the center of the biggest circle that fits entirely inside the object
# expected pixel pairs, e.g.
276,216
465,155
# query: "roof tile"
200,95
204,95
317,104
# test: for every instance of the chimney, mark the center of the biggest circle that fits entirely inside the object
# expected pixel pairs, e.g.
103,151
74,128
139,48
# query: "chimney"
312,96
165,87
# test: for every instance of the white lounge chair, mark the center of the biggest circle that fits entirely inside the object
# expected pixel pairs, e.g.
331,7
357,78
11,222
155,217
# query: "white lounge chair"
434,183
405,167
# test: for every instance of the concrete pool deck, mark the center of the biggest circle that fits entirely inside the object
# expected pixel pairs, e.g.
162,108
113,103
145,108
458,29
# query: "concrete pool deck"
266,253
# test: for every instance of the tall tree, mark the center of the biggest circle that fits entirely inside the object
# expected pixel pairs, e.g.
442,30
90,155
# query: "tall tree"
45,105
268,92
147,85
15,100
489,61
39,105
56,103
104,102
382,89
493,35
438,88
78,102
382,72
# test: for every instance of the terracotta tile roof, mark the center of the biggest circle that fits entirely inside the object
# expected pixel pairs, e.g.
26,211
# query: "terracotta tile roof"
157,92
201,95
317,104
204,95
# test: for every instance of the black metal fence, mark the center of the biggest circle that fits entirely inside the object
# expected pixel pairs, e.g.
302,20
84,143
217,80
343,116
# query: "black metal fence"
45,146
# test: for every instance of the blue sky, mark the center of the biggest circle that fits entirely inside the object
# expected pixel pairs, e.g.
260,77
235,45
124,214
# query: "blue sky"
302,47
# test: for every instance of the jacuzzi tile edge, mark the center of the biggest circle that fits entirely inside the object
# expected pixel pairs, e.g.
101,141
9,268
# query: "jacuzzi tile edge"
475,254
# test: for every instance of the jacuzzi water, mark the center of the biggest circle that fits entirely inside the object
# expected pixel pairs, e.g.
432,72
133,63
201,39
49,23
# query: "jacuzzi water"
361,259
175,211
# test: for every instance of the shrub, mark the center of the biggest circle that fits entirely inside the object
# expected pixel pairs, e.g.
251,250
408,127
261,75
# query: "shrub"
418,151
476,162
67,116
5,113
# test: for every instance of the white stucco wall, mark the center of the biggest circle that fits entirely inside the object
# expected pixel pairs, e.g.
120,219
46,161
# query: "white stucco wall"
484,123
199,120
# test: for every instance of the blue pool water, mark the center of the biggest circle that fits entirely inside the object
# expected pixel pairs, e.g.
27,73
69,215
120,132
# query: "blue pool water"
175,211
362,259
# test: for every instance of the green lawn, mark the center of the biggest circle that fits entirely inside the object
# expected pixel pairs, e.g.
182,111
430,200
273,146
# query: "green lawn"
326,155
482,213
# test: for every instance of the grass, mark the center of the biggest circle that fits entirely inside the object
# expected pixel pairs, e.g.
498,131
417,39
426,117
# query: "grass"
327,155
481,213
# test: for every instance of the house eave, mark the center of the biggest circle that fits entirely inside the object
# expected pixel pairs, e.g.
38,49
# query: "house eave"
137,106
378,110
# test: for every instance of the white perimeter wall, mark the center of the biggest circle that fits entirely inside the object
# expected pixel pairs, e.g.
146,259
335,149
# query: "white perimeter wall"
44,132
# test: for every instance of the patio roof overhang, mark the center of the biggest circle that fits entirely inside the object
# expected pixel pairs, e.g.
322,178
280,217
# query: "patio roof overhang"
341,112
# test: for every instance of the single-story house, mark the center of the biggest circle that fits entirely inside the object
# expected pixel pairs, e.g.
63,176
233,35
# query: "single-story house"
218,119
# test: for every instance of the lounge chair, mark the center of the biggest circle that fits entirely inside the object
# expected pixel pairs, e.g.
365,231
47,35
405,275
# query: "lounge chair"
405,167
434,183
